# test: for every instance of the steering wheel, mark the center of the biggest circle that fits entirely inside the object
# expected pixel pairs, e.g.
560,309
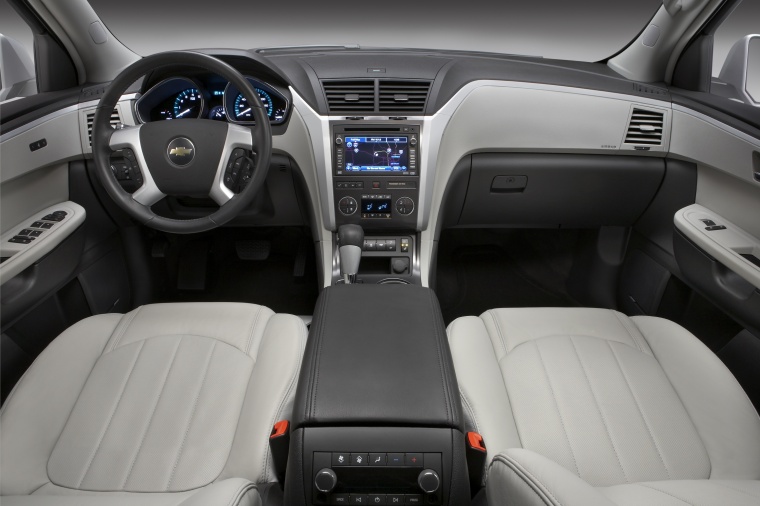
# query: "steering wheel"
187,157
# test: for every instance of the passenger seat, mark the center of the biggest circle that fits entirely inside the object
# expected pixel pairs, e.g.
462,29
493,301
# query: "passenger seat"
591,407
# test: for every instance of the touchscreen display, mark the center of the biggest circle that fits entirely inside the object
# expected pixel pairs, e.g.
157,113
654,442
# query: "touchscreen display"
377,154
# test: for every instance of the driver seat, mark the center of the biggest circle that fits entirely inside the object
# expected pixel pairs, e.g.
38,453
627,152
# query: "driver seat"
170,404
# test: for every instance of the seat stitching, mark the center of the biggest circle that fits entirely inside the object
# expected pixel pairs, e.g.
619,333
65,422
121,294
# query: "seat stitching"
249,342
240,493
448,396
641,411
124,328
626,324
192,415
719,484
111,415
498,330
556,403
518,469
664,492
152,413
469,408
599,409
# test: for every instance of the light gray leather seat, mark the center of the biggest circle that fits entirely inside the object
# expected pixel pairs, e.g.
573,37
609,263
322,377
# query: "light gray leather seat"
169,404
590,407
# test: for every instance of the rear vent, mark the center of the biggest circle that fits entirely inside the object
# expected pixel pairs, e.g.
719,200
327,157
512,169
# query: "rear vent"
350,96
359,96
115,119
403,96
645,128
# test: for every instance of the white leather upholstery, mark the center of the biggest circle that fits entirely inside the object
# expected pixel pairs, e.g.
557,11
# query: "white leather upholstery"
152,406
581,403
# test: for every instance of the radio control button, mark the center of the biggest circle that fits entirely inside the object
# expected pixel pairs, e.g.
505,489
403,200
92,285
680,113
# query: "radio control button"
359,459
377,459
429,481
340,459
413,499
359,499
339,140
413,459
376,499
339,500
394,499
395,459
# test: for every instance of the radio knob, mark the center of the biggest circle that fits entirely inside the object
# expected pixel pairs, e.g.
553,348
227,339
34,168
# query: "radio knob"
413,141
429,481
325,480
339,140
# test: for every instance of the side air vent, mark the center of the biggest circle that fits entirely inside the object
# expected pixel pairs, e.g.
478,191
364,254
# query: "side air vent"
356,96
115,119
645,128
403,96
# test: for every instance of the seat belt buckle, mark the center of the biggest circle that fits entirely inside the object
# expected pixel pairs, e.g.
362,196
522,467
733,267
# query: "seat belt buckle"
279,445
476,460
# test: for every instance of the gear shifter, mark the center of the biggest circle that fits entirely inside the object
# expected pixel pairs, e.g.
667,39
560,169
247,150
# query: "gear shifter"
351,240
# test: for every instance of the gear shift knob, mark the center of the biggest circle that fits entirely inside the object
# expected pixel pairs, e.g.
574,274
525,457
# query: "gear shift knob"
351,240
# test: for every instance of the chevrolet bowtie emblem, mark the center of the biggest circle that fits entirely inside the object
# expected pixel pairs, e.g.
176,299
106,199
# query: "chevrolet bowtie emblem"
180,151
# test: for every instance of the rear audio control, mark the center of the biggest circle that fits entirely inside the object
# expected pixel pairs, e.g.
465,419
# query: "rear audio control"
326,480
429,481
347,206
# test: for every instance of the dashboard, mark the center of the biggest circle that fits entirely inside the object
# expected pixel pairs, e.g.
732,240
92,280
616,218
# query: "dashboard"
208,97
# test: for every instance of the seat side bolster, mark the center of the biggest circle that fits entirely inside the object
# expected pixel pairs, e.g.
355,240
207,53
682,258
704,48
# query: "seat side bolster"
38,408
523,478
269,398
724,417
231,492
484,395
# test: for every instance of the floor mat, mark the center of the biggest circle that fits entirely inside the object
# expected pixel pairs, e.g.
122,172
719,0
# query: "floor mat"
474,278
268,282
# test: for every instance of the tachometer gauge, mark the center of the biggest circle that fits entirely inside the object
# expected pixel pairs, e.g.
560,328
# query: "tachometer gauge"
279,114
243,111
188,104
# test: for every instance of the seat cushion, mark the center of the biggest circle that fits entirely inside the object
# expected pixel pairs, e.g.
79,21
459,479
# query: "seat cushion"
231,492
166,399
524,478
610,398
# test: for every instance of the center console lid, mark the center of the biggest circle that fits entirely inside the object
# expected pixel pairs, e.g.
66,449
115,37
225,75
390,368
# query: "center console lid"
377,356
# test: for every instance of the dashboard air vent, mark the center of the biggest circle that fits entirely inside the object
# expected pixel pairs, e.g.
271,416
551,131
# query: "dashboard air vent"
403,96
357,96
645,128
115,119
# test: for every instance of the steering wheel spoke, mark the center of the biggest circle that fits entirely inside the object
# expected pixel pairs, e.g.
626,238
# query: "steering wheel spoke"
235,166
128,138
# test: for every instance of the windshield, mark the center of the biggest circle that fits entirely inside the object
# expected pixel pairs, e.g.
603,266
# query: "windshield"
583,30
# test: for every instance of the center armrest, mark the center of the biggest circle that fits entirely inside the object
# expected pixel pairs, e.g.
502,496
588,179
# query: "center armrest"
377,355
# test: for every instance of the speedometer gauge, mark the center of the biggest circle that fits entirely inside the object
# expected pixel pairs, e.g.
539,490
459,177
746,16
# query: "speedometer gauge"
243,111
188,104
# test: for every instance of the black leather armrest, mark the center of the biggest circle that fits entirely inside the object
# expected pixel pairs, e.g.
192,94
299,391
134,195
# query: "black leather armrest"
377,355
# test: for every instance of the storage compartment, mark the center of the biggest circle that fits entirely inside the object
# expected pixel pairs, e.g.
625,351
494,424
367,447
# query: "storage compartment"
377,416
531,190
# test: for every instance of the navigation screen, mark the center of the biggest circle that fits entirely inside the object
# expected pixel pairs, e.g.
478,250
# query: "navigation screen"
377,154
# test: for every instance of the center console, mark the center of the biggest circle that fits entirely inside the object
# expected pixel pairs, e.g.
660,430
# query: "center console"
377,418
376,179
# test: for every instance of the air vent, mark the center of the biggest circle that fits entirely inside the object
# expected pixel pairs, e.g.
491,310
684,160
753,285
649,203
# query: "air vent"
645,128
350,96
403,96
115,119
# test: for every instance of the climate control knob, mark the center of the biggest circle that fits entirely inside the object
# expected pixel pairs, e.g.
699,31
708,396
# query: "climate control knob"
428,481
347,206
404,206
325,480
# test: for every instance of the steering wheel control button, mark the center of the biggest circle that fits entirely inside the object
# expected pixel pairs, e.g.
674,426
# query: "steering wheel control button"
340,459
359,459
180,151
325,480
395,459
347,206
377,459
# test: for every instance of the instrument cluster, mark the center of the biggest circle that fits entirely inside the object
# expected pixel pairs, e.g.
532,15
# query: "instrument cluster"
211,98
